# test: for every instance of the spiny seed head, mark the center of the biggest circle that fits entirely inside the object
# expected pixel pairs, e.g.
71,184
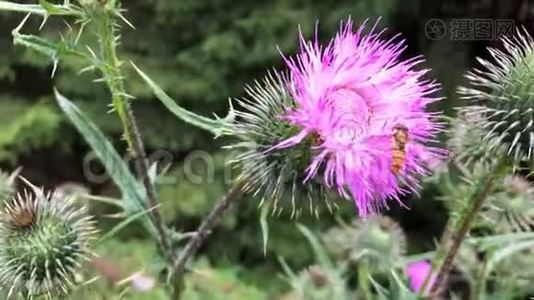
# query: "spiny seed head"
44,240
502,93
275,174
379,241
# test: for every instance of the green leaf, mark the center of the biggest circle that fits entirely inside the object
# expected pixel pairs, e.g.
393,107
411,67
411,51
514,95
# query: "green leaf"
133,193
23,8
487,242
50,8
319,251
503,253
290,274
44,8
123,224
46,47
215,126
400,290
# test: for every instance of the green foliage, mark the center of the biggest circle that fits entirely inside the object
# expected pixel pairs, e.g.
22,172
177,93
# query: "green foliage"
28,127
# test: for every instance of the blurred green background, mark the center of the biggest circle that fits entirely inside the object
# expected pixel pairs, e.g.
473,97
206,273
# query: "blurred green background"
202,52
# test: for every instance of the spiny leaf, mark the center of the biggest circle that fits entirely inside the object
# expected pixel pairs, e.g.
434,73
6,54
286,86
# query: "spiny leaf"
217,126
44,8
133,193
123,224
505,252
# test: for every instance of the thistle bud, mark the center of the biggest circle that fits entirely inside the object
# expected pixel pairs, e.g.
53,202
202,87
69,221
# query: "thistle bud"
501,92
379,241
317,282
44,240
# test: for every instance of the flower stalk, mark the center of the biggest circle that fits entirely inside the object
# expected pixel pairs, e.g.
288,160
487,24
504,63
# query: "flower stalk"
451,247
121,105
201,233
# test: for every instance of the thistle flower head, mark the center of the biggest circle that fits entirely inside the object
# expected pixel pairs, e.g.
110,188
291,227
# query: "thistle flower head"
502,93
363,109
43,241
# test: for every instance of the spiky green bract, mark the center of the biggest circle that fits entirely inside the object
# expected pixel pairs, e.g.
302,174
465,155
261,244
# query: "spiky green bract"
275,174
44,241
379,242
502,92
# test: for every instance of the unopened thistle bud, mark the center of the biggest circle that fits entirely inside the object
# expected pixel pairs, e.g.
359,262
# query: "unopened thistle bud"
317,283
502,94
379,242
44,240
470,144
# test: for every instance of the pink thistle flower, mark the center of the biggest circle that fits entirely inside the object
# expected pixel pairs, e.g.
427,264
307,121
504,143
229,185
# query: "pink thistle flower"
351,96
417,273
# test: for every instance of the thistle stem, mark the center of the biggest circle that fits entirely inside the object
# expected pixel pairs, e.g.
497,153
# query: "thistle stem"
444,243
465,225
202,232
480,284
121,105
363,281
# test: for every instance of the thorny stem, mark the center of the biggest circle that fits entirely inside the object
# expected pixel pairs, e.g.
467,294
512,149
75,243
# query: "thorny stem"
202,232
444,243
121,105
465,225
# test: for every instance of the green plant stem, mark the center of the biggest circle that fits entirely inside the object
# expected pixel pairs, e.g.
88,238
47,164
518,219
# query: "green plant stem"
465,225
121,105
363,281
480,284
443,244
201,233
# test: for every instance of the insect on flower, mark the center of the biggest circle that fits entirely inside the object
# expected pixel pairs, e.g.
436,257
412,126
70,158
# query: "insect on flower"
400,139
